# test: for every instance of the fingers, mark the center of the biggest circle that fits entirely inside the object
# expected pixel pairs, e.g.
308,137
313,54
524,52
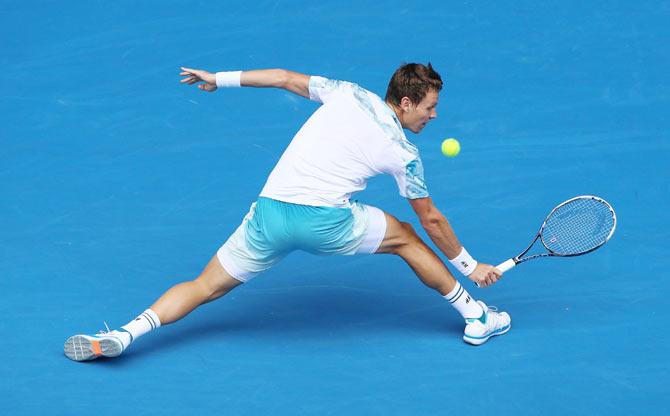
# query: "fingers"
191,76
207,87
190,80
486,282
492,276
186,72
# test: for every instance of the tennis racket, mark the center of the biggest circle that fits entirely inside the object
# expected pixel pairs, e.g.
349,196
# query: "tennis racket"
577,226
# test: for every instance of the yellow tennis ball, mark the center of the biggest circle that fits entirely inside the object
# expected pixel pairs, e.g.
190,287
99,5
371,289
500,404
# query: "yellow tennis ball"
451,147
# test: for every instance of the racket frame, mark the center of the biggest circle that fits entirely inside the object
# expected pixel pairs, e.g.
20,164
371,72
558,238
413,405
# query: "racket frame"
508,264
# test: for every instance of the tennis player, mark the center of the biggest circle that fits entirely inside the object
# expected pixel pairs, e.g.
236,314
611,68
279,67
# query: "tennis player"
305,203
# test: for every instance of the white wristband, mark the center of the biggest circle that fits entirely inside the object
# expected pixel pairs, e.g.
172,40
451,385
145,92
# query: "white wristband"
229,79
464,262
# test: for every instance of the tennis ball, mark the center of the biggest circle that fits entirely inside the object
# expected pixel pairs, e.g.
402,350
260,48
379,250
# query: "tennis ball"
451,147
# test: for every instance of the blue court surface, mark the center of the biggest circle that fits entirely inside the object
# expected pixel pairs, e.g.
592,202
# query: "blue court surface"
118,182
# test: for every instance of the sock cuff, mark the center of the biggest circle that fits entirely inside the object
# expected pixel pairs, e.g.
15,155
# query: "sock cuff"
461,300
152,318
455,293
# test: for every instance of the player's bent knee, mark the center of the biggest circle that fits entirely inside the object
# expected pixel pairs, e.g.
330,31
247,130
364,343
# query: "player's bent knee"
410,235
407,228
406,238
399,237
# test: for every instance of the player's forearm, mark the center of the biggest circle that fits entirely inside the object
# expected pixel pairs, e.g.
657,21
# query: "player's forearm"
436,225
440,232
264,78
294,82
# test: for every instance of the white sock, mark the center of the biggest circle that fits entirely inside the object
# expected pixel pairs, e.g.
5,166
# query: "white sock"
145,322
463,302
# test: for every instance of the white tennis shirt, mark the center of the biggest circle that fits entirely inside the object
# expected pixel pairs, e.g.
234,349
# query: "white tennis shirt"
352,137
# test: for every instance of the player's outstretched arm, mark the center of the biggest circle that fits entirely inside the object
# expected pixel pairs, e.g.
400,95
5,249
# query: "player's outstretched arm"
439,230
294,82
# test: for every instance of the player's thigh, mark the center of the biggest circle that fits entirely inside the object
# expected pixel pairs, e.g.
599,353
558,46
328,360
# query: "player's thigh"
257,244
398,234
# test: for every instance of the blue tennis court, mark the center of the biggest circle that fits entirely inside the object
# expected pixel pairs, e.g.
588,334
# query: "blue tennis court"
117,182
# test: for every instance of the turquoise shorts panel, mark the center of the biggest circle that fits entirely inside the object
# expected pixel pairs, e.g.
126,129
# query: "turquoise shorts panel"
272,229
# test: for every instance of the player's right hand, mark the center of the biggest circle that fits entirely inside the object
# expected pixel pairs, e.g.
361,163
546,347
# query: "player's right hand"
192,76
485,275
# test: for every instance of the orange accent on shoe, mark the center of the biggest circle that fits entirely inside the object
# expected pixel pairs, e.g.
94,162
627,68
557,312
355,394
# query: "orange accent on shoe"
96,348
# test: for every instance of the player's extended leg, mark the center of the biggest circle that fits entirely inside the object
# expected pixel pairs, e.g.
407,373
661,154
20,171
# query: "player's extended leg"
183,298
402,240
481,322
173,305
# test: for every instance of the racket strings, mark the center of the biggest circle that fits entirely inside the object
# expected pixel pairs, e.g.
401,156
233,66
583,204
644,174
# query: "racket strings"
578,226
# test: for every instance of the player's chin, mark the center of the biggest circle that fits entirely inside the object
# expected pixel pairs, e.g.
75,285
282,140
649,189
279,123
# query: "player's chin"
418,128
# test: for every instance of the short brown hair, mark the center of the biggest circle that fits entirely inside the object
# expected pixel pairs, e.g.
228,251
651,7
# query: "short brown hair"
412,81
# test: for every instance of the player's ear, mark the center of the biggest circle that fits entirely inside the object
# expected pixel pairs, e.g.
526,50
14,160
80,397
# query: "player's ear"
405,104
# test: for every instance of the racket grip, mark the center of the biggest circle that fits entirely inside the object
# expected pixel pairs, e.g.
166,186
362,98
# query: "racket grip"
506,265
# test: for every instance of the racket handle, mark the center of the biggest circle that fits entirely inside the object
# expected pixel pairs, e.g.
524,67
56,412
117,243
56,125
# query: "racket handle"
506,265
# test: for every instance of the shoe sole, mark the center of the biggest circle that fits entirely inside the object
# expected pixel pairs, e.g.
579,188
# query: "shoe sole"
84,348
480,341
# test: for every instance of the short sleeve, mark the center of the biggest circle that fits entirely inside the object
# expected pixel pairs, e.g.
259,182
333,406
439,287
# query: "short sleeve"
321,89
410,180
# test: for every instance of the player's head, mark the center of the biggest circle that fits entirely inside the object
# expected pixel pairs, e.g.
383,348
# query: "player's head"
413,92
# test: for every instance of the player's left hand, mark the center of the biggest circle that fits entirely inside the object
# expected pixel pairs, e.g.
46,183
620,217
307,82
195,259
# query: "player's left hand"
192,76
485,275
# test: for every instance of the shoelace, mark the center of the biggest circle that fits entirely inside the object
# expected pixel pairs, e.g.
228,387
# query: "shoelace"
102,332
496,318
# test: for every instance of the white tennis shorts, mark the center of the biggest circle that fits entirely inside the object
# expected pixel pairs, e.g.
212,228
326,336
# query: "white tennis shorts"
272,229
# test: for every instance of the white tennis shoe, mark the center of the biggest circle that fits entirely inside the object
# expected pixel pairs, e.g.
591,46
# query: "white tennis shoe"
491,323
89,347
